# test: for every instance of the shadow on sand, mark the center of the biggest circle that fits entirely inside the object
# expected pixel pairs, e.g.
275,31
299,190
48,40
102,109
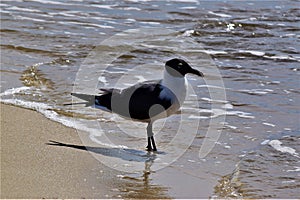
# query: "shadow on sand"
139,187
122,153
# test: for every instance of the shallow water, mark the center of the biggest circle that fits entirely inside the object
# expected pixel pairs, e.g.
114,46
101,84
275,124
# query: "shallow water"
254,46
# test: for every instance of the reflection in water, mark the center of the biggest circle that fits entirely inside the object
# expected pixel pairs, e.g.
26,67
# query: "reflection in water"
32,76
229,186
141,187
130,187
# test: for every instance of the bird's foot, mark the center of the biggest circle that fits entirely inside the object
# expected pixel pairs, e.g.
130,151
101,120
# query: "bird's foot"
149,148
151,144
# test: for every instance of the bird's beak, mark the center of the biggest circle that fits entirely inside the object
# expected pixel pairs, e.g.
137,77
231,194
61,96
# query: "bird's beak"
196,72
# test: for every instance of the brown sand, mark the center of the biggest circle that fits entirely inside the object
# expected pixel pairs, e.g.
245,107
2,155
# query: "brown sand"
32,169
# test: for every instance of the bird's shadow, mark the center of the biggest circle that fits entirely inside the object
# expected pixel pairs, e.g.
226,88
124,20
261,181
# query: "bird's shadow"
121,153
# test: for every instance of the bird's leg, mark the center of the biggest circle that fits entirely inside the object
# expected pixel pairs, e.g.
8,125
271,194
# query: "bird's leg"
149,134
149,147
151,143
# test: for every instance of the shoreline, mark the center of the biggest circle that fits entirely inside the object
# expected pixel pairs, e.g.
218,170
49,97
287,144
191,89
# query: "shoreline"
41,158
32,169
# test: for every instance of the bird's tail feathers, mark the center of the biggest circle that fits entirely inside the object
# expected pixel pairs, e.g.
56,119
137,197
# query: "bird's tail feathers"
89,99
86,97
77,103
102,101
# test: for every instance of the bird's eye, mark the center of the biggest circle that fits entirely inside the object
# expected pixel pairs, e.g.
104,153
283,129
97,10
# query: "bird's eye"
180,64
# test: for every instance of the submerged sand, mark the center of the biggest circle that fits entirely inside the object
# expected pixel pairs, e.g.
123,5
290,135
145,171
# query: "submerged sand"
32,169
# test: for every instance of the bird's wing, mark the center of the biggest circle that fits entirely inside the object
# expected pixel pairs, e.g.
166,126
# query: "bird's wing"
142,101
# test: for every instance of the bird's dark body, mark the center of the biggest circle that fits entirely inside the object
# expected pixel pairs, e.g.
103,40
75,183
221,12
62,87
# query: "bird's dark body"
136,102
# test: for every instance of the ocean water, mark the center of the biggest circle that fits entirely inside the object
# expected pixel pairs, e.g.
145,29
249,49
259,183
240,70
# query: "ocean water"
238,132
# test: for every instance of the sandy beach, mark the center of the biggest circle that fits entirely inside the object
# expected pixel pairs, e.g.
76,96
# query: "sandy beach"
32,169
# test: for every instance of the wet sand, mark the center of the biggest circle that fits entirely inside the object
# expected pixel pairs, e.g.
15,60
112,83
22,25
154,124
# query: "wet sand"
32,169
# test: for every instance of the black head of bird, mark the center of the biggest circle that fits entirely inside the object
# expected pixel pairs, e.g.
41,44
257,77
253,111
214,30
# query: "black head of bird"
179,68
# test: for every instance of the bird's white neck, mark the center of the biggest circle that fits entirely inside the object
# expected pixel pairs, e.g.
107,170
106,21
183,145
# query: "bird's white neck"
178,85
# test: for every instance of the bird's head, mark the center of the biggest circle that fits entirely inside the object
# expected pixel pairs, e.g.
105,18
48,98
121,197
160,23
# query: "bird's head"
179,68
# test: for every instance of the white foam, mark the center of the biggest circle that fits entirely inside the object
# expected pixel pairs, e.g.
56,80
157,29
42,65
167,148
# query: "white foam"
188,8
257,91
253,52
230,126
188,33
265,142
185,1
22,9
287,182
214,100
210,52
290,34
41,108
102,79
48,112
240,114
227,106
296,169
268,124
131,8
151,23
213,52
103,6
219,14
210,86
51,2
198,117
31,19
276,144
141,78
230,27
219,112
26,104
136,1
281,57
14,91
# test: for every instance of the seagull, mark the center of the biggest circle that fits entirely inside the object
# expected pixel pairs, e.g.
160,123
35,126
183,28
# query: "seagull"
147,101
